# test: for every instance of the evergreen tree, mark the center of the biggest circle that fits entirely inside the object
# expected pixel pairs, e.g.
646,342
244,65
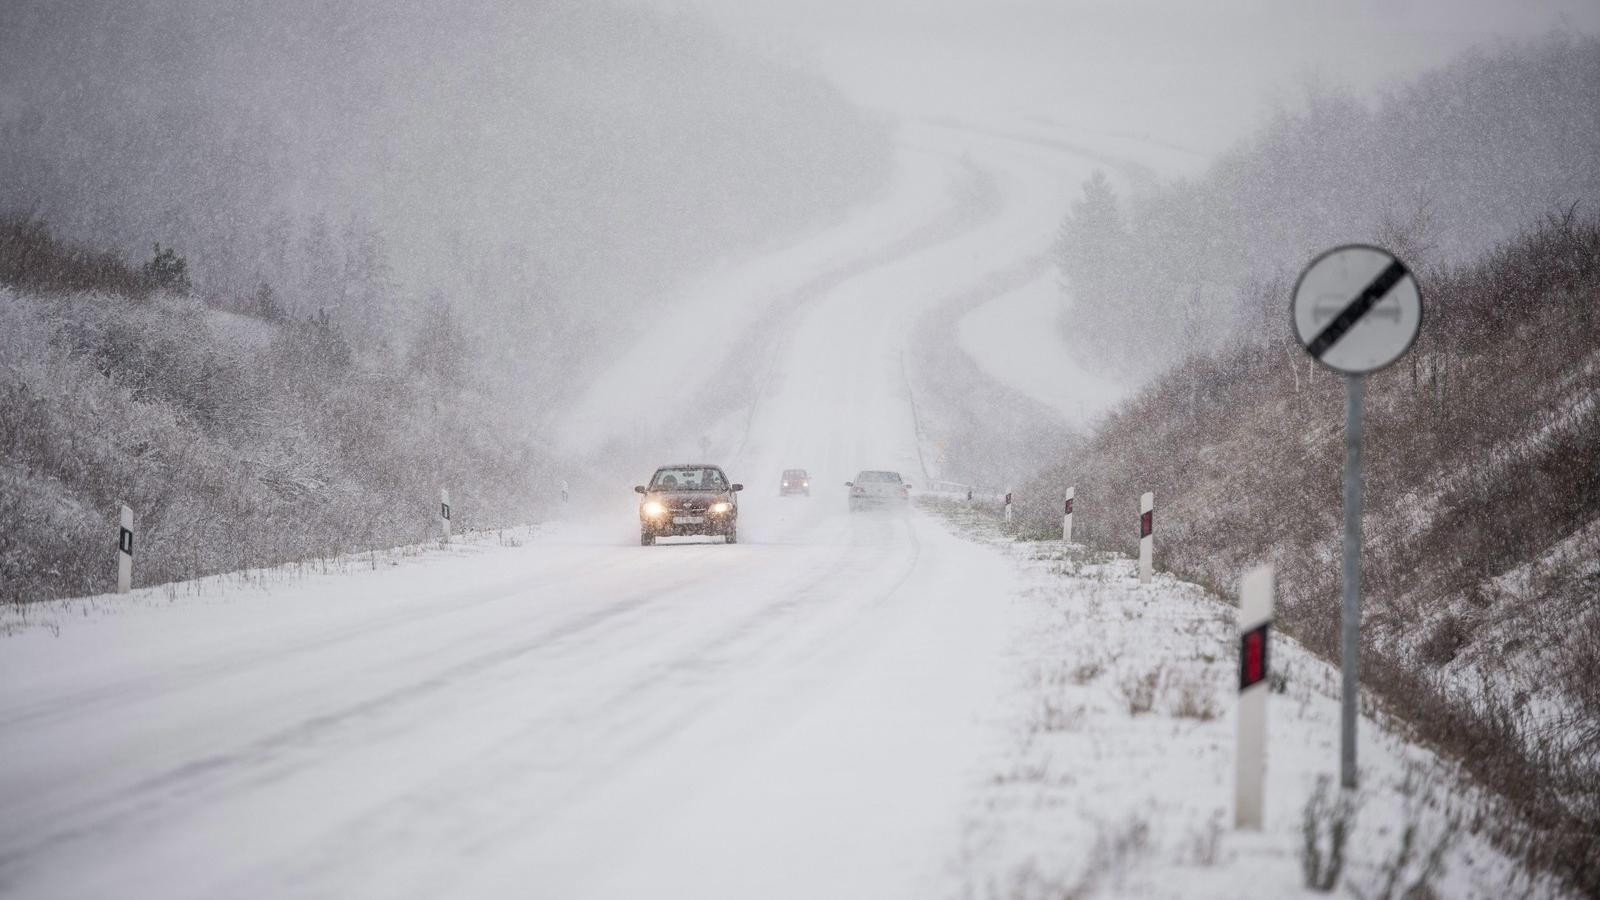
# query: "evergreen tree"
1090,249
167,271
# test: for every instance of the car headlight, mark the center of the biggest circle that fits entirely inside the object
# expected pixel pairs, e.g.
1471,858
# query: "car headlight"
653,509
721,506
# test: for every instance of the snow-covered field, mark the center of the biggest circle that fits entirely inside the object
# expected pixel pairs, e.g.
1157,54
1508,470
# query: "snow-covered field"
1025,321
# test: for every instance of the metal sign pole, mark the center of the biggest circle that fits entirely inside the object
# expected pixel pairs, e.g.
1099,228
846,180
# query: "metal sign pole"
1350,626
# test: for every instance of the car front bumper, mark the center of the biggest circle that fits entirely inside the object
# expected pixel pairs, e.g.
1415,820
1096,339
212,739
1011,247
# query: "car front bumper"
709,524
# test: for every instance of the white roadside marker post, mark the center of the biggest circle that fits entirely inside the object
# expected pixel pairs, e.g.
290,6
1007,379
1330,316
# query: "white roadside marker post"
1356,309
1147,512
444,515
1008,507
1255,629
1066,516
125,552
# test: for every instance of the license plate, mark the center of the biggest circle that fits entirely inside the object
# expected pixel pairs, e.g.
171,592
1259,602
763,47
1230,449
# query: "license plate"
688,520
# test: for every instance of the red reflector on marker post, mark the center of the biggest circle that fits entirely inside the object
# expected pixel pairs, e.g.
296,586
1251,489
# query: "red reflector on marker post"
1253,656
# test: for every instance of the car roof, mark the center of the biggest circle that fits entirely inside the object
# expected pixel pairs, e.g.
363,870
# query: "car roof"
690,466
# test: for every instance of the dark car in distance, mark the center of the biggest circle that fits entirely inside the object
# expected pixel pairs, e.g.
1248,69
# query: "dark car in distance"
687,500
795,481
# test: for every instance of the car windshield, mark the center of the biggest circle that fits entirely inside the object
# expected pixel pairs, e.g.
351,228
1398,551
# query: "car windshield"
794,473
892,477
689,478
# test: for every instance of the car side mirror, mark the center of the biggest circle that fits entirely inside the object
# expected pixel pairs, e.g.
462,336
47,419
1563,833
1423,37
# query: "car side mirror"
639,489
737,487
849,484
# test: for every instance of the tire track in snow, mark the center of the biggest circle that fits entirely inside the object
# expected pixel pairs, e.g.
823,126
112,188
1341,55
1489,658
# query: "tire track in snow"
974,208
150,794
193,675
628,725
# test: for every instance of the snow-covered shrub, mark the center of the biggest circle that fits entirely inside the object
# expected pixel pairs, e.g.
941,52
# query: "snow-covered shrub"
1139,690
1326,825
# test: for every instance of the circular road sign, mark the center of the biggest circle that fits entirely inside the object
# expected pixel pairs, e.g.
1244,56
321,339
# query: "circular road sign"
1356,309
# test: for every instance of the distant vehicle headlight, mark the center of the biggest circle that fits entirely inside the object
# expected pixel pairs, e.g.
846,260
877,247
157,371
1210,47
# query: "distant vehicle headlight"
654,509
721,506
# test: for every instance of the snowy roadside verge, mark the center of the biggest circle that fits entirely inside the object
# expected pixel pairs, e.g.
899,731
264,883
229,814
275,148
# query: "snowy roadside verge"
1118,779
52,615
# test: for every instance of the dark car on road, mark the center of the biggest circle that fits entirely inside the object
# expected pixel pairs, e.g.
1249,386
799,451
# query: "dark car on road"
795,481
686,500
874,488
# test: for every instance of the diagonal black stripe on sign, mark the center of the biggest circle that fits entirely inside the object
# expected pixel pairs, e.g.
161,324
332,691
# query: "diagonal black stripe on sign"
1360,306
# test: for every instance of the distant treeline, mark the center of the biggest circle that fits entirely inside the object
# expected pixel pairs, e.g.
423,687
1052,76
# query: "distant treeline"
1481,582
1439,170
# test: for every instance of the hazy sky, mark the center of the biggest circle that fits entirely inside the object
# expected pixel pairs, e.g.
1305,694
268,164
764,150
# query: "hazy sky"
1198,74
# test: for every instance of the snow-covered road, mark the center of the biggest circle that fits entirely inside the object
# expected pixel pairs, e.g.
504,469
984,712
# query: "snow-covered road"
569,718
